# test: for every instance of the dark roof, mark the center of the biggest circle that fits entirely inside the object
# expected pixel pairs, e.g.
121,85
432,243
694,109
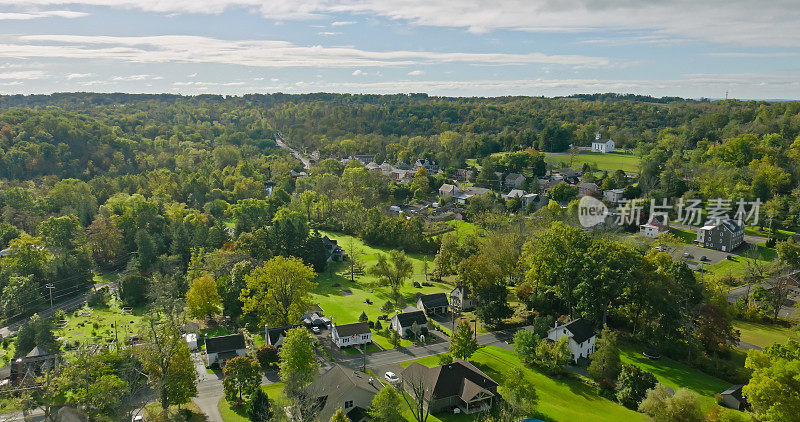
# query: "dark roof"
735,391
357,414
407,319
349,330
332,387
315,308
460,378
224,343
581,330
276,334
465,290
435,300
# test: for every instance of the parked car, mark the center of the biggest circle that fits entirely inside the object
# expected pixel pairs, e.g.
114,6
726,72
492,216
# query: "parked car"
315,330
703,258
391,378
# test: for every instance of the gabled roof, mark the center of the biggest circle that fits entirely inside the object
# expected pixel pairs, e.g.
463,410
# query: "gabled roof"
435,300
460,378
464,290
448,188
227,343
580,328
735,391
334,386
407,319
516,193
515,176
349,330
37,352
277,334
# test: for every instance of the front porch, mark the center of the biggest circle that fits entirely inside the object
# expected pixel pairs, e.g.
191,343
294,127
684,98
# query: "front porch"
480,403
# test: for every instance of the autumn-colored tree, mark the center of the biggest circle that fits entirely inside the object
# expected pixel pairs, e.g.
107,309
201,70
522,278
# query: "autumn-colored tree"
203,299
278,291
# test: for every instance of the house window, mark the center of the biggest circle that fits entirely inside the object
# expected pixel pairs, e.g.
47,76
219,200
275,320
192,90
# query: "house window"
364,337
345,340
348,404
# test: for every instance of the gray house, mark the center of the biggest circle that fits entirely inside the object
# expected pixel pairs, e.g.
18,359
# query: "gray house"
344,388
461,298
433,304
458,385
722,235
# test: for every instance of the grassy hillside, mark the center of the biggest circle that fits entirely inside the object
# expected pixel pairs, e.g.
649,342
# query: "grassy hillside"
611,161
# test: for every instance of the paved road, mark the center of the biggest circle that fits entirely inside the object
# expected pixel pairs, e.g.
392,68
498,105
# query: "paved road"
306,162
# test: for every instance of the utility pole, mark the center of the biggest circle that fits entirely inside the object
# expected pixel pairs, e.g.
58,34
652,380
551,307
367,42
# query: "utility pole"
50,286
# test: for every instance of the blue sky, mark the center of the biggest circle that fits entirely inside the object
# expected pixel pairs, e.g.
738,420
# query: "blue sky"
443,47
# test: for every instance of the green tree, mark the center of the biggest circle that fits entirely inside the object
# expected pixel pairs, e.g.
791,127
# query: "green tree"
278,291
167,361
298,362
231,288
392,270
62,232
661,405
20,297
242,378
37,331
267,356
633,384
773,390
563,192
519,396
259,409
202,299
106,241
789,252
553,355
525,342
420,184
133,290
146,250
385,406
605,363
463,343
339,416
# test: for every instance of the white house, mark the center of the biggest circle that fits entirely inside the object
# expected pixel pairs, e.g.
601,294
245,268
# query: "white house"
220,349
649,230
351,334
191,340
602,145
403,322
581,337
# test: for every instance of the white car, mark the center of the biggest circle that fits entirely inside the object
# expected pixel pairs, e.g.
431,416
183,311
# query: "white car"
391,377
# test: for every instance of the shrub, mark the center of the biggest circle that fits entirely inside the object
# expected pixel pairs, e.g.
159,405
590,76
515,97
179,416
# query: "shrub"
423,331
417,285
363,317
445,359
98,298
387,307
371,324
378,326
267,356
409,333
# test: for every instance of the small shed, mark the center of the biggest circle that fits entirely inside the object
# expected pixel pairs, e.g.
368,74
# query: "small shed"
732,397
191,340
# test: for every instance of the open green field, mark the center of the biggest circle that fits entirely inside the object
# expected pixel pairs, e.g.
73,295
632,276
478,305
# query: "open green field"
344,308
612,161
677,375
87,325
779,234
738,265
559,399
763,335
238,414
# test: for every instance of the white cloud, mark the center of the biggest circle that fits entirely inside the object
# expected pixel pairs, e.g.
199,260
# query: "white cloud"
130,78
416,73
67,14
192,75
746,22
358,72
23,75
72,76
342,23
328,33
258,53
198,83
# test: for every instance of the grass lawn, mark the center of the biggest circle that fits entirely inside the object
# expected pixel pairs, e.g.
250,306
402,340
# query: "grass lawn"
677,375
684,235
357,352
153,412
99,327
6,351
559,399
237,413
344,308
611,161
763,335
463,228
738,266
779,234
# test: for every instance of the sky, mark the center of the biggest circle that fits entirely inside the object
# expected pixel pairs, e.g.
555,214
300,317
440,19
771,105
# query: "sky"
690,48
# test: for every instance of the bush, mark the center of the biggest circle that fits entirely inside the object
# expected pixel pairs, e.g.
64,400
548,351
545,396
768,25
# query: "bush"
387,307
417,285
423,331
98,298
445,359
363,317
607,389
409,333
371,324
133,290
378,326
267,356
